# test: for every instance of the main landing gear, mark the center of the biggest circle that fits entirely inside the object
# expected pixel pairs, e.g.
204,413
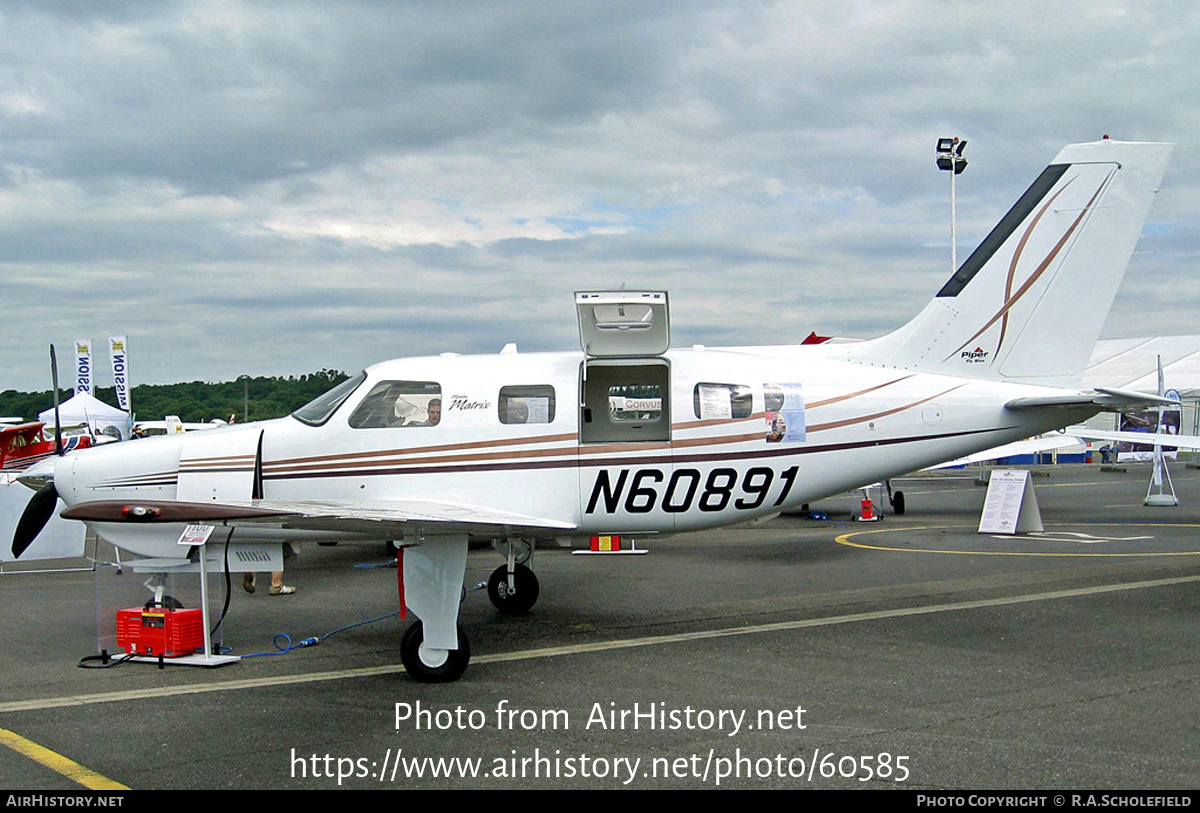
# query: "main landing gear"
513,587
513,592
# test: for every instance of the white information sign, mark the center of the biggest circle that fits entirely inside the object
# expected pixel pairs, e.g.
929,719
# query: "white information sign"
195,535
1011,506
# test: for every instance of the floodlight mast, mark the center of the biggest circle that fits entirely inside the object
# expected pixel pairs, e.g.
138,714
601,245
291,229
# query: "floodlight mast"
949,157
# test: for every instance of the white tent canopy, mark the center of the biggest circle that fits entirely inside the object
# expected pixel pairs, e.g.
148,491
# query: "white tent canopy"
86,409
1132,364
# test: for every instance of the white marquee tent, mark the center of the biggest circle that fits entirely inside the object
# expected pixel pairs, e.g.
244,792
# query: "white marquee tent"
85,409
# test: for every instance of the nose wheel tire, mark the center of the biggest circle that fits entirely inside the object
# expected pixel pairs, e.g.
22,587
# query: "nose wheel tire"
433,666
516,599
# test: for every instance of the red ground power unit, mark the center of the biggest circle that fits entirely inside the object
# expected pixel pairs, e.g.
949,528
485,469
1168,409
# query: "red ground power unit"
161,631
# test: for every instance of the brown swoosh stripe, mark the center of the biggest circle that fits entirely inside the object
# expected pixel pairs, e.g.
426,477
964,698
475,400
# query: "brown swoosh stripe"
439,458
754,454
1004,309
447,447
162,478
1016,259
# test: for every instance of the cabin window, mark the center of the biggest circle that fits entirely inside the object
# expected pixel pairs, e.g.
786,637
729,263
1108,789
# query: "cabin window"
399,403
526,404
318,410
722,401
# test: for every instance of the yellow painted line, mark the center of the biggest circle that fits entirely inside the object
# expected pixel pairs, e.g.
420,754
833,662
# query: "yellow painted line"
57,762
844,539
579,649
194,688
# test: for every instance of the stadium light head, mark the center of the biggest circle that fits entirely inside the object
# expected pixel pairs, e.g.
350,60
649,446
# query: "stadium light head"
949,155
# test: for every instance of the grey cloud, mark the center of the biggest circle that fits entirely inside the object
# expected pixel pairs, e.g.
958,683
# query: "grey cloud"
278,188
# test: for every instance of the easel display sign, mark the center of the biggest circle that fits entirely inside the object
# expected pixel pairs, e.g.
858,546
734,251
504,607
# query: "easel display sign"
1011,506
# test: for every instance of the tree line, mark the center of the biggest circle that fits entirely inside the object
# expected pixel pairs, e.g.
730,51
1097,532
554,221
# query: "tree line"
195,401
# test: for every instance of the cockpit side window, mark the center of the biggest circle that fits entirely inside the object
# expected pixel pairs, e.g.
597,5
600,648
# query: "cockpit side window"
399,403
318,410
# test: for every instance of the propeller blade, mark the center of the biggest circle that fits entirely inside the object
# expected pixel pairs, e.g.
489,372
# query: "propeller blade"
34,518
58,444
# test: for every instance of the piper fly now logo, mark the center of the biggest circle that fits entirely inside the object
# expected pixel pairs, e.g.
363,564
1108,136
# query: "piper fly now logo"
976,356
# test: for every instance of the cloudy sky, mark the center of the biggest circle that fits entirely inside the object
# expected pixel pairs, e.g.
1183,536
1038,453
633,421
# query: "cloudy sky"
273,188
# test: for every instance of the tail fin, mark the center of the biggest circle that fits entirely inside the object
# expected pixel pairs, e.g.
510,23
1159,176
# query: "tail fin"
1029,303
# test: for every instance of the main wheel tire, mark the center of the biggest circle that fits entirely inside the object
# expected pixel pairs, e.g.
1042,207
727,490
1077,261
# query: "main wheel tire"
898,503
446,672
523,595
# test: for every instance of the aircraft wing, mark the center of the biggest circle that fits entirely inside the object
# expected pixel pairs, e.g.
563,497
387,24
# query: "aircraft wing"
1021,447
1107,398
1141,438
385,519
1075,436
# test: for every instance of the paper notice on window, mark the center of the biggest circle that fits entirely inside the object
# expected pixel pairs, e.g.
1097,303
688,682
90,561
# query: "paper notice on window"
715,401
785,423
539,410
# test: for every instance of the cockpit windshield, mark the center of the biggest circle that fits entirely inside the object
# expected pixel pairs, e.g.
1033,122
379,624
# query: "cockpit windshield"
318,410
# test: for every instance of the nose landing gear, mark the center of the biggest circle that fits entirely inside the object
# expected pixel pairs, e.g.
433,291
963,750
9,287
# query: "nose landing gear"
429,665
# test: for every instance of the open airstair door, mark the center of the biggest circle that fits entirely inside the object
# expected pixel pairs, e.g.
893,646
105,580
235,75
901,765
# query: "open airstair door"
623,324
625,392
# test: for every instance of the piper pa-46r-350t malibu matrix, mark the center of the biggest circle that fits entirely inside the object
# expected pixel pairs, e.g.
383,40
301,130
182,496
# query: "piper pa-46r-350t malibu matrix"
632,437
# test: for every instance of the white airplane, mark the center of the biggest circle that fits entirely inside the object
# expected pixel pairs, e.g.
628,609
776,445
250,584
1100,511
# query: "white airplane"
630,437
172,424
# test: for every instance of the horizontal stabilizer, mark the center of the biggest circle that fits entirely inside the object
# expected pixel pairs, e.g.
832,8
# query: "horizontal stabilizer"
1106,398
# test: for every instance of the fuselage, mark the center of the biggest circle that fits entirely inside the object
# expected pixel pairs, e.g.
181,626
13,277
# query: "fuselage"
696,438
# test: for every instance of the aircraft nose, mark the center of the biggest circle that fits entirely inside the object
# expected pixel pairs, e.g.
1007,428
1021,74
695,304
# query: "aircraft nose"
38,475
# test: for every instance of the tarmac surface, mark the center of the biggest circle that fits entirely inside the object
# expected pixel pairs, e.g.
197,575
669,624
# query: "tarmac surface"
911,653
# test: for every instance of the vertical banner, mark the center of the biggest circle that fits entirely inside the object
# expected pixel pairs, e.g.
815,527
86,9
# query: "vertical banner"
120,366
83,366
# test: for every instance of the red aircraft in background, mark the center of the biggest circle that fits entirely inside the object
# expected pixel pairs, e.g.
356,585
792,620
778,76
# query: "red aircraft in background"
24,444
